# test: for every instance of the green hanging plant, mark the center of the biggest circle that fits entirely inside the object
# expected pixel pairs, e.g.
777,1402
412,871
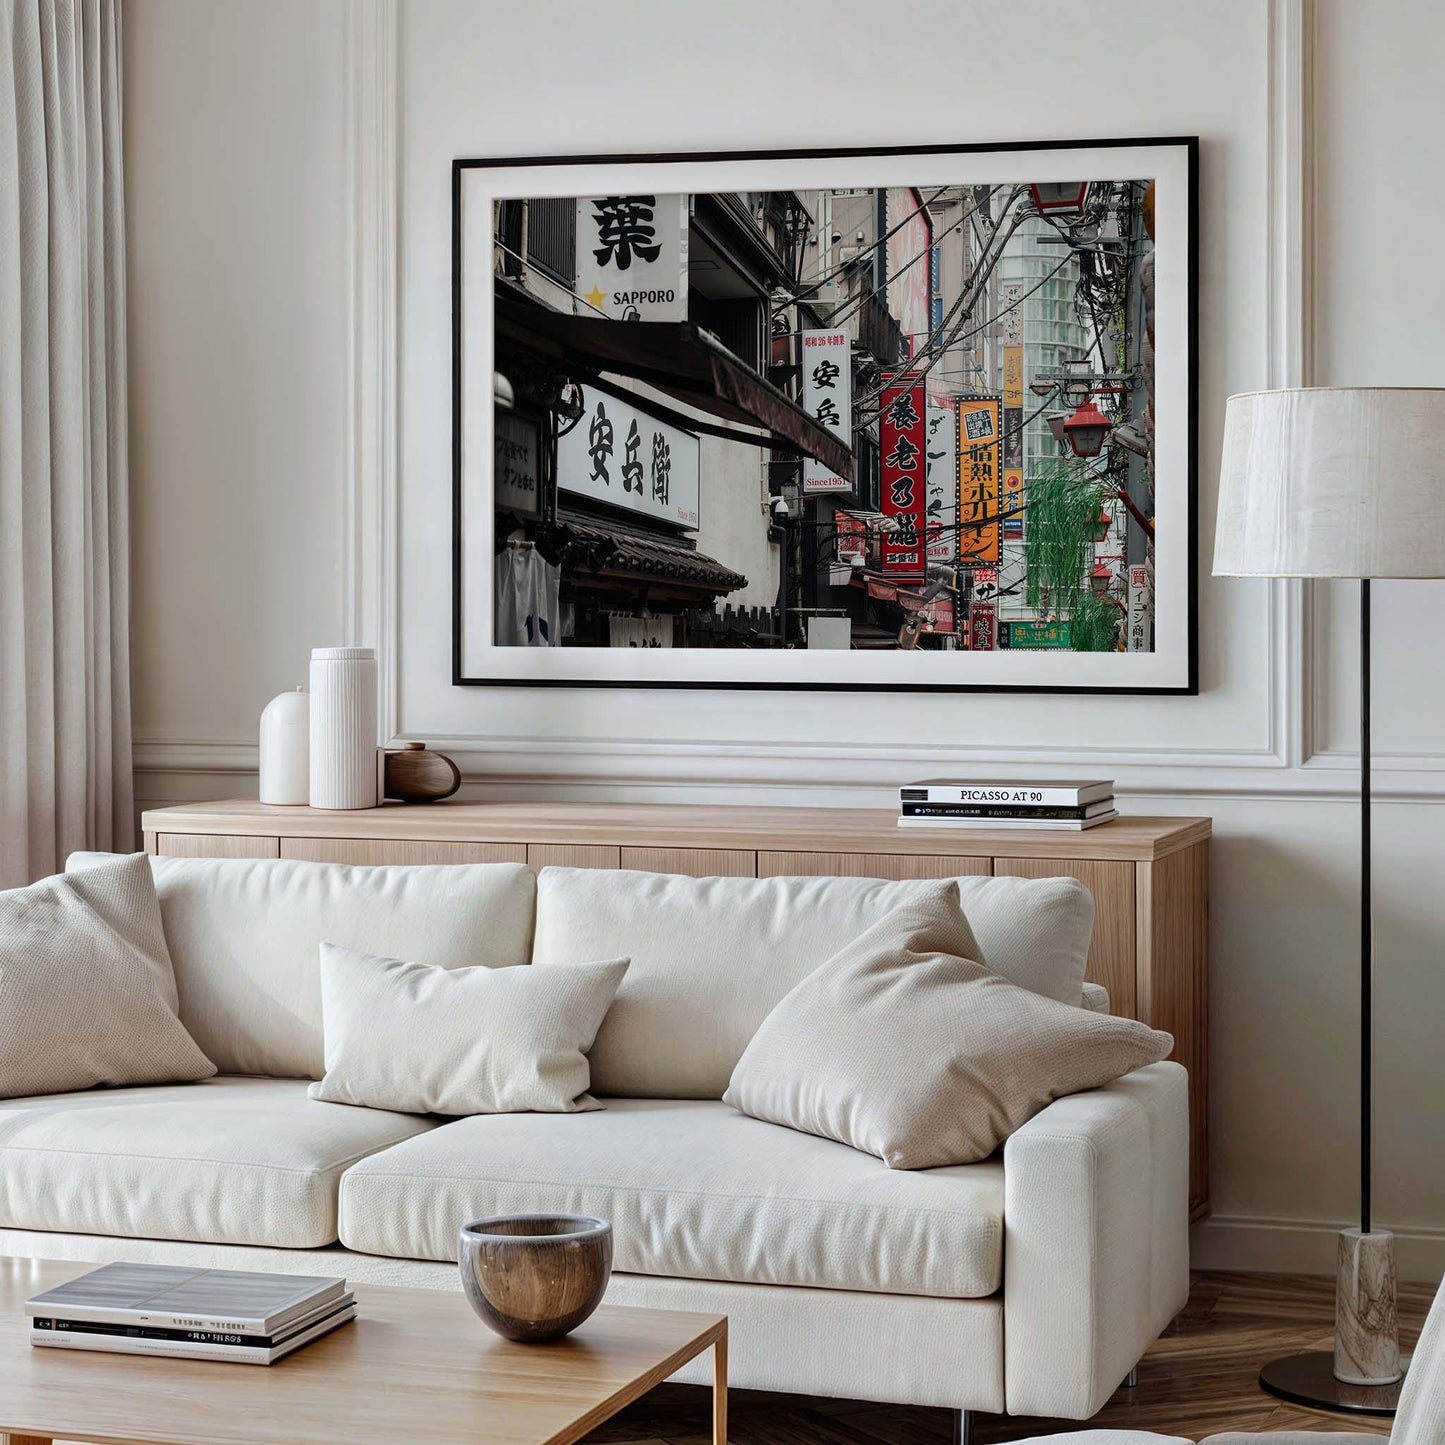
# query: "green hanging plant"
1094,624
1062,517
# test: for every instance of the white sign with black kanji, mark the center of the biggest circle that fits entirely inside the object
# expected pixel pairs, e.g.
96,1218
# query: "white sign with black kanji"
632,257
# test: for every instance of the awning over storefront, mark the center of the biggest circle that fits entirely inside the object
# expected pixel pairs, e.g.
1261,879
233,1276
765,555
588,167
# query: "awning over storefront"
657,559
680,359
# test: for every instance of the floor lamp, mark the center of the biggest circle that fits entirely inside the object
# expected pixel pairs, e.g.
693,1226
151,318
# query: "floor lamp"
1341,482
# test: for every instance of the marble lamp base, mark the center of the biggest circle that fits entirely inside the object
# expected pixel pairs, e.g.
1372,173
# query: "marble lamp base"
1367,1322
1363,1374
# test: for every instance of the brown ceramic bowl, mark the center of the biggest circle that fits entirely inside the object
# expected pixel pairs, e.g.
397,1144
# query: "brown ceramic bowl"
535,1277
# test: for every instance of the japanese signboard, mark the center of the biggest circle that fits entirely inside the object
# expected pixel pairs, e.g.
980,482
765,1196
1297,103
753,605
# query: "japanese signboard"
978,480
941,487
1012,501
1013,376
516,472
982,626
1137,638
828,399
902,441
632,257
909,247
620,455
1039,634
852,537
985,584
1011,320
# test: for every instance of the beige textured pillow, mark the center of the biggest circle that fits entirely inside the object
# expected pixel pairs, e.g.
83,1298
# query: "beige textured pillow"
87,995
417,1038
904,1047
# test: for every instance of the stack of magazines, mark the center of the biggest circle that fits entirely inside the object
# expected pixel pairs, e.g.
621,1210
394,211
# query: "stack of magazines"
198,1314
1062,806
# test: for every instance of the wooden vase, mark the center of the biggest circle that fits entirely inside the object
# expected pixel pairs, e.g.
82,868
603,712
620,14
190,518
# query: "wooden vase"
535,1277
418,775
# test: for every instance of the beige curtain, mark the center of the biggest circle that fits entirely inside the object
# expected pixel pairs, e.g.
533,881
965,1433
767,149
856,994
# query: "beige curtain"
65,767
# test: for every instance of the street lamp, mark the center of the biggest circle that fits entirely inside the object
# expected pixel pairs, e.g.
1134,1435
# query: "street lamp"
1042,386
1059,198
1086,430
1100,580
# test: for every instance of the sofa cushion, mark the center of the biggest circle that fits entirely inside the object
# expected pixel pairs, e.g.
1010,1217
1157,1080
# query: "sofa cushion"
228,1161
712,956
245,938
904,1046
693,1190
428,1040
87,992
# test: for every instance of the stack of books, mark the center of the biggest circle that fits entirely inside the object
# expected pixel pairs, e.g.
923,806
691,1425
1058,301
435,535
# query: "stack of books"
1062,806
198,1314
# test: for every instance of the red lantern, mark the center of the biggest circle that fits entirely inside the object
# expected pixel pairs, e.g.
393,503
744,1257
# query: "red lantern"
1086,430
1100,580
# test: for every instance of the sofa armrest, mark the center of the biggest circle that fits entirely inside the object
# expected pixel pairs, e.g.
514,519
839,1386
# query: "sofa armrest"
1096,1239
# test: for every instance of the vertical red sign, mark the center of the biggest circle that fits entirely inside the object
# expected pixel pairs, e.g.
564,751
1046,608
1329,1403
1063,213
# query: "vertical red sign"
902,440
982,627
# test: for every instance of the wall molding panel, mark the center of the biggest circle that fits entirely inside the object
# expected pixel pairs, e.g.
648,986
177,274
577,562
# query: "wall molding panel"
1287,765
369,584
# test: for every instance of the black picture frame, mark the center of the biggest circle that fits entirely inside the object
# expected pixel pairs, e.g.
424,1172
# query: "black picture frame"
1191,147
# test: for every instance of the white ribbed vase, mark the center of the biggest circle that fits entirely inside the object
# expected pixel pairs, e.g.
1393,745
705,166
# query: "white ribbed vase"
343,727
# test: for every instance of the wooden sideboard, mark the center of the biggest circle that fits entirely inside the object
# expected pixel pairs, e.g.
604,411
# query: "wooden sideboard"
1149,876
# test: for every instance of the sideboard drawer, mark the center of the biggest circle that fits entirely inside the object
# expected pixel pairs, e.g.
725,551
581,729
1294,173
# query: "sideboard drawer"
869,865
694,862
573,855
400,850
216,845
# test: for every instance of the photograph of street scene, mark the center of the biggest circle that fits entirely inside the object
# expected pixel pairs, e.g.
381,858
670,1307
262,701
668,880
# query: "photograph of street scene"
849,419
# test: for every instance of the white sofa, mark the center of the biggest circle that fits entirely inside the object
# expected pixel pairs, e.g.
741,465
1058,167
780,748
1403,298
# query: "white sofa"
1030,1283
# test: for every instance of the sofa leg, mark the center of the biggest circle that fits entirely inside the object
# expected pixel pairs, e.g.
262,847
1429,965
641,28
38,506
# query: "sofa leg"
1132,1378
962,1427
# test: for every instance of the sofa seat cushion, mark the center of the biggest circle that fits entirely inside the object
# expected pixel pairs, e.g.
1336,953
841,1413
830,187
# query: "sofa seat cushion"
694,1190
228,1161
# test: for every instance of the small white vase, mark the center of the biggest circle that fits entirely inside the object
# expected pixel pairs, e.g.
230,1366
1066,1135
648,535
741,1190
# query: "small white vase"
286,749
343,727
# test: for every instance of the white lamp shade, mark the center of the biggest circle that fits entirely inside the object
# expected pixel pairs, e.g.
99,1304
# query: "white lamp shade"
1333,482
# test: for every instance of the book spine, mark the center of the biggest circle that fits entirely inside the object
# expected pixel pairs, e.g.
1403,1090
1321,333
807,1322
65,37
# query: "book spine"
170,1349
160,1319
985,824
150,1332
973,810
984,795
83,1315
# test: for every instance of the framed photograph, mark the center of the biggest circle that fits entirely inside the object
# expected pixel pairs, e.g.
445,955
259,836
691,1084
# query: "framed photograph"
891,419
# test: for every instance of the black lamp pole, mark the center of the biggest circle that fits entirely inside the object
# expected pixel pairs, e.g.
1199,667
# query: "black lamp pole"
1367,941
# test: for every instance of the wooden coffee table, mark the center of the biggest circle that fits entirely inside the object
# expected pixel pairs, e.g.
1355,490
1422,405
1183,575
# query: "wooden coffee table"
415,1365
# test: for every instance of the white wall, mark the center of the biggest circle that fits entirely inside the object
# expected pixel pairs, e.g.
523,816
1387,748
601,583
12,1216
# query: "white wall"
228,311
238,244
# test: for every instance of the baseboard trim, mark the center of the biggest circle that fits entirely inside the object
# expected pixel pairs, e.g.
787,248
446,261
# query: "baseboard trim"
1261,1245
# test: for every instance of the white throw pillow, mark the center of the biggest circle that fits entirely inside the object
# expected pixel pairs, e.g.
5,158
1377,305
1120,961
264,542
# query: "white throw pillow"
418,1039
711,956
245,936
87,995
904,1046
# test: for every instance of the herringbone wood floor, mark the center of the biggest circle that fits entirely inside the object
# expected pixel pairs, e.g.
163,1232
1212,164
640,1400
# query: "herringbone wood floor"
1200,1378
